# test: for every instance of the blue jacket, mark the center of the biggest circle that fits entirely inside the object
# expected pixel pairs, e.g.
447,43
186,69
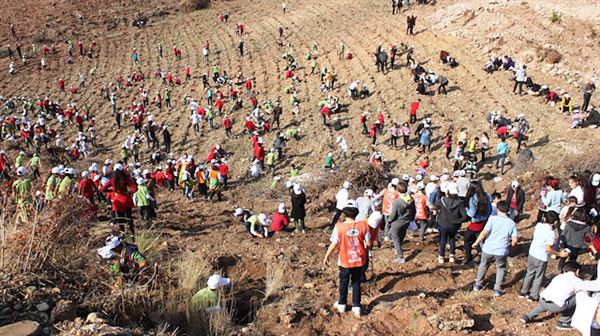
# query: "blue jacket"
472,209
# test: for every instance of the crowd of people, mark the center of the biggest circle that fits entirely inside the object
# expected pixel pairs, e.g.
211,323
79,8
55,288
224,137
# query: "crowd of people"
51,140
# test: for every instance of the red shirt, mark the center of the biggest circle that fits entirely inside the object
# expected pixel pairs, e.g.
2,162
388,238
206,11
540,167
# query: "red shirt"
325,111
280,222
223,169
219,104
248,84
227,123
502,131
250,125
259,153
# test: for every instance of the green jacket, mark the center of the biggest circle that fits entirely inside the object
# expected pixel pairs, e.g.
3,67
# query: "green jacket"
141,196
50,187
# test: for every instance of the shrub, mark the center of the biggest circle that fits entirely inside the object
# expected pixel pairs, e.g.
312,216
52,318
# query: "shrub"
41,38
193,5
555,17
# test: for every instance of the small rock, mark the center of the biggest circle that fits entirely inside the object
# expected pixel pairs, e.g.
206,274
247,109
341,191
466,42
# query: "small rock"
309,285
95,318
42,307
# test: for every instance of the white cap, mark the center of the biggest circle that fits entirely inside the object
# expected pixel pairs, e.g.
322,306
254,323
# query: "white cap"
452,188
141,180
21,171
118,166
108,162
405,177
596,180
338,139
85,174
55,170
419,177
347,185
421,185
262,218
216,281
238,212
515,184
433,178
351,204
289,184
110,243
461,173
369,193
375,219
395,181
281,208
297,189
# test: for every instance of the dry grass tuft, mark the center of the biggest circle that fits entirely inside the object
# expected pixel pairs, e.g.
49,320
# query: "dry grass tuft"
274,279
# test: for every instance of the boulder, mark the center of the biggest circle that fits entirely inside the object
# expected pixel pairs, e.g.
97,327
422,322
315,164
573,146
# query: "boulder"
64,310
453,318
21,328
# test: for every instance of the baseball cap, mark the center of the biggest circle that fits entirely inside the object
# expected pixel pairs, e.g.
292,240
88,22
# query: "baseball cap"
215,281
515,184
351,204
347,185
395,181
452,188
374,219
281,208
596,180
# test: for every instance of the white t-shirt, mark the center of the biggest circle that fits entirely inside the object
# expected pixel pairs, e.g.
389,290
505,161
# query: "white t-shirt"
543,235
341,198
577,192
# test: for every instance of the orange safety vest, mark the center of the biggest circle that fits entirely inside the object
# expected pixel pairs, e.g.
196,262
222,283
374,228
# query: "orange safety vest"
351,236
389,197
420,206
213,174
200,177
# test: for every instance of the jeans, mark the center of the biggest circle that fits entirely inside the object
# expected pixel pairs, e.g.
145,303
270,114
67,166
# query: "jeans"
566,311
447,235
586,101
422,224
397,233
347,275
520,85
500,160
486,260
534,277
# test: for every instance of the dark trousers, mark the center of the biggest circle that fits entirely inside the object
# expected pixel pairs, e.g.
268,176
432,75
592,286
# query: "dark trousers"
448,152
413,118
586,101
469,238
336,218
348,275
520,85
447,235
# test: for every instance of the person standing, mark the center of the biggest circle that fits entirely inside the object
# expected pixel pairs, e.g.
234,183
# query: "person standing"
499,233
537,261
520,79
341,198
403,212
515,197
353,240
450,215
588,90
241,48
298,198
502,152
479,208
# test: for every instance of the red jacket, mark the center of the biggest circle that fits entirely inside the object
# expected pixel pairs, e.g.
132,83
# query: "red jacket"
87,188
259,153
414,107
227,123
121,195
223,169
280,221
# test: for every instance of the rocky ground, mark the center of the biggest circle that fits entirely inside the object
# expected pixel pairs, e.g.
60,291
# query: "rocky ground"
418,298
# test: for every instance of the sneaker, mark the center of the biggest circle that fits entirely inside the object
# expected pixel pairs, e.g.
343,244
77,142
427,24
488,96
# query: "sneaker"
522,296
451,259
429,230
399,261
356,311
525,319
563,326
476,288
470,264
498,293
435,230
532,299
328,230
340,308
440,260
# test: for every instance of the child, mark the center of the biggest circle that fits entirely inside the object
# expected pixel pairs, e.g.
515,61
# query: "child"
496,197
448,144
558,297
541,246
